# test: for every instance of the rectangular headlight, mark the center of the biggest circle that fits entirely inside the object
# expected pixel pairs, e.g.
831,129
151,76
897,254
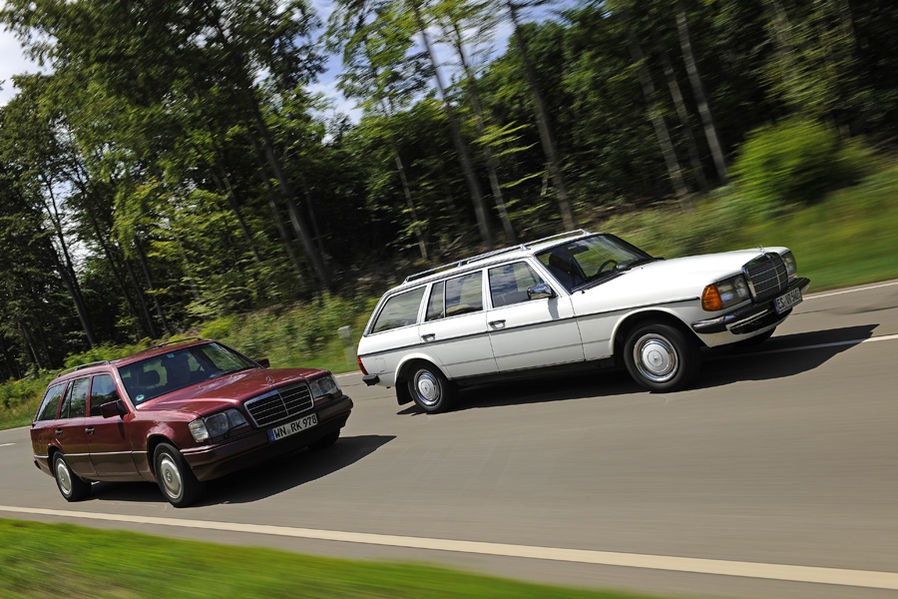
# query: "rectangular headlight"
725,293
791,265
216,425
324,386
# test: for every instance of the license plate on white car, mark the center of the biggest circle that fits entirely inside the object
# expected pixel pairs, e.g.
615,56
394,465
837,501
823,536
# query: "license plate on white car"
291,428
787,300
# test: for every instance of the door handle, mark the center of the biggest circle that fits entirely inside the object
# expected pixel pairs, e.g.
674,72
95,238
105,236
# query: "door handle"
429,337
58,431
497,324
89,430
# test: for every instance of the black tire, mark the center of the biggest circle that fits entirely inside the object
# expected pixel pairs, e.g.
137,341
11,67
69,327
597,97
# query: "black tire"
429,388
174,477
71,486
661,357
326,441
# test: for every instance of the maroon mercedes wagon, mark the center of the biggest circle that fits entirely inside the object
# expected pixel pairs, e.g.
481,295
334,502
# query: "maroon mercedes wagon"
179,414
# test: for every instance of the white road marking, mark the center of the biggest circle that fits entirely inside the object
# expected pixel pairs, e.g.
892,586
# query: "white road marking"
823,294
6,444
781,350
806,574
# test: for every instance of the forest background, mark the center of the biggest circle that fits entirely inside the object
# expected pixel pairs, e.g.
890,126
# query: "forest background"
171,170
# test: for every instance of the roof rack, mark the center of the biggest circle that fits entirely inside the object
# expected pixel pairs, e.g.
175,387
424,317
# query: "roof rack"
81,367
489,254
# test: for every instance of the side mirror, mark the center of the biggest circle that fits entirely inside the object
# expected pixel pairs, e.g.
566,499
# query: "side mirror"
540,291
111,409
264,362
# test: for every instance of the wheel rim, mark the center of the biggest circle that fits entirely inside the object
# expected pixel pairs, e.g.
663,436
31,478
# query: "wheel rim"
655,358
427,387
63,477
170,476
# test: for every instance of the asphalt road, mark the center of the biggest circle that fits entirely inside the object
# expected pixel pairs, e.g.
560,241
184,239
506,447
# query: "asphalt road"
774,477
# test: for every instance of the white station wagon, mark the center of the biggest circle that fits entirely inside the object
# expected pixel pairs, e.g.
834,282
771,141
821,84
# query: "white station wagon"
578,298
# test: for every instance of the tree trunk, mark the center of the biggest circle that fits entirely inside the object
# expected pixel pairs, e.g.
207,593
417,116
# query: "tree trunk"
247,97
67,269
542,123
698,91
491,166
455,129
145,267
224,183
683,115
661,132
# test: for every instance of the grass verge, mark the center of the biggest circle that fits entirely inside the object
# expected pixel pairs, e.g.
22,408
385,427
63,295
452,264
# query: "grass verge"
62,560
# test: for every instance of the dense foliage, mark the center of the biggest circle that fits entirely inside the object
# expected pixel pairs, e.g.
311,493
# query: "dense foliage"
173,166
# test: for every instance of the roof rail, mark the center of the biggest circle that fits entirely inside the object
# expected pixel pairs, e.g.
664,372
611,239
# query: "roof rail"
574,233
496,252
81,367
171,342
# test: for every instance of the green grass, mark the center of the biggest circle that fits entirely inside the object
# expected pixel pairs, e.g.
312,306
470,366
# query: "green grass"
62,560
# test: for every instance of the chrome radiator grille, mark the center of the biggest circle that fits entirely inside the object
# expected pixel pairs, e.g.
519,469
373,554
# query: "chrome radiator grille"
766,276
279,404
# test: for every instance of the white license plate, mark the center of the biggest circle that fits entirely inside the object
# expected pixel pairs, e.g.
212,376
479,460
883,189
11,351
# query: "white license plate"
291,428
787,300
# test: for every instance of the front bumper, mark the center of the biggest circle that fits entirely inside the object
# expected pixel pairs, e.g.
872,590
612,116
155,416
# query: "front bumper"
214,461
751,318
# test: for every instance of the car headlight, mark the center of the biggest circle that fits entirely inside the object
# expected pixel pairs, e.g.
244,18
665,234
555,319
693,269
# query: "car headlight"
216,425
324,386
724,294
791,266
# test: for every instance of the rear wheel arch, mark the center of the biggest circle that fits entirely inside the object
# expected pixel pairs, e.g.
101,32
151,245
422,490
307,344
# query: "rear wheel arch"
424,383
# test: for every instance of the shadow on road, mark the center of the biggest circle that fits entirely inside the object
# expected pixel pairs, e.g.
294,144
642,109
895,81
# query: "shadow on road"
270,478
780,357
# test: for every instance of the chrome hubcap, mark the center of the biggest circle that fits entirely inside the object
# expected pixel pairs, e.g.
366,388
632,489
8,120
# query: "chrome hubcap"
655,358
427,387
63,477
170,476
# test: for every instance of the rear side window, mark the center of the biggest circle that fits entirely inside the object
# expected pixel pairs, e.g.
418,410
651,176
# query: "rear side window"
50,403
464,294
75,403
399,311
102,390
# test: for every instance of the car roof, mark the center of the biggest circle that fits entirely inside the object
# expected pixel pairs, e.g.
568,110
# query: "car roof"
498,255
101,366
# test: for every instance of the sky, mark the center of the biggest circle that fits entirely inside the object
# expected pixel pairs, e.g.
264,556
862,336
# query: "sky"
13,61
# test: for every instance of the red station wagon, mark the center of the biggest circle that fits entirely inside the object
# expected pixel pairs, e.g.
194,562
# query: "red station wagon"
179,415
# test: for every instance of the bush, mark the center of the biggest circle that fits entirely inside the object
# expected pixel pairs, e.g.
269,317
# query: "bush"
794,162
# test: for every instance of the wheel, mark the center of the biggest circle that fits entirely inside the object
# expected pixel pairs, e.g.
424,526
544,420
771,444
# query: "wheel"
174,477
429,388
72,487
326,441
661,357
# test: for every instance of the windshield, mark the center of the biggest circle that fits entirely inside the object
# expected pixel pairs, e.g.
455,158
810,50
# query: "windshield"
591,260
181,368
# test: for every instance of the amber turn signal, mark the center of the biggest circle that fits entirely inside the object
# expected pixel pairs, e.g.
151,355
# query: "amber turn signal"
711,299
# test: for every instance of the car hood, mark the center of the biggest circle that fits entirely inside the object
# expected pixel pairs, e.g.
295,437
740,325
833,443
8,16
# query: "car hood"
673,279
227,391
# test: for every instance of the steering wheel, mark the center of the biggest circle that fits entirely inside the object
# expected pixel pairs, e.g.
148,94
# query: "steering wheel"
610,262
